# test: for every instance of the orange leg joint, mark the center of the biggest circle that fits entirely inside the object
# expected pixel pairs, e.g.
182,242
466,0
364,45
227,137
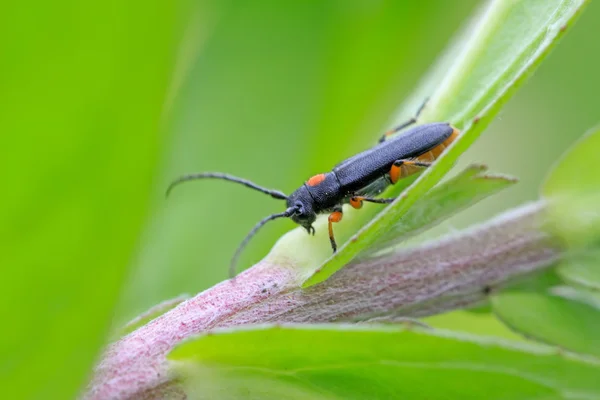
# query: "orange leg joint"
335,216
356,202
397,172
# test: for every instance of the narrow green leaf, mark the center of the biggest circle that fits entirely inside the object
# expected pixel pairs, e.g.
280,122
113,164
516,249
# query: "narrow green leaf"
349,362
538,282
83,86
573,188
467,188
550,318
475,321
508,41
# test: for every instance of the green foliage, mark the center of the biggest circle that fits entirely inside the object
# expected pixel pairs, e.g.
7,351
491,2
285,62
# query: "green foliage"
349,362
574,193
82,95
568,324
582,269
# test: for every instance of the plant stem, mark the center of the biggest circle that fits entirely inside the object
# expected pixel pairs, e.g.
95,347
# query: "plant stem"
454,272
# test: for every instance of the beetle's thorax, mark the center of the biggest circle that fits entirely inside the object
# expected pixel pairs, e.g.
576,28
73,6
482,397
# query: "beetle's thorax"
325,191
318,194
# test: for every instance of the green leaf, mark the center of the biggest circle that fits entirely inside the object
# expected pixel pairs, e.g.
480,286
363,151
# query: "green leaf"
541,281
580,295
349,362
475,322
576,173
83,87
552,319
467,188
508,41
573,191
582,269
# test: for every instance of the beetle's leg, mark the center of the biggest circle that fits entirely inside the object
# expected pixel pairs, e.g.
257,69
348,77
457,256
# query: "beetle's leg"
357,201
335,216
405,124
397,172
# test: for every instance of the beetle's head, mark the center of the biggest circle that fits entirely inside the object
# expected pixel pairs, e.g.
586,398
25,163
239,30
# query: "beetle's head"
302,203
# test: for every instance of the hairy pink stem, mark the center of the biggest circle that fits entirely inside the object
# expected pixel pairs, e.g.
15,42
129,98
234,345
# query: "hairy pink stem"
454,272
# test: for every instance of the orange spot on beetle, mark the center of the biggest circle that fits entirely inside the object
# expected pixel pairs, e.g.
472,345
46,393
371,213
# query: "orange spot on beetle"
315,180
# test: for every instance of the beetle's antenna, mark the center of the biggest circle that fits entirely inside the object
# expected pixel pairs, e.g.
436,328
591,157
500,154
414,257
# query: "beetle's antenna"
218,175
234,259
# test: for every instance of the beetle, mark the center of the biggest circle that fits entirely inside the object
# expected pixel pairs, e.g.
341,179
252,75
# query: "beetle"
354,181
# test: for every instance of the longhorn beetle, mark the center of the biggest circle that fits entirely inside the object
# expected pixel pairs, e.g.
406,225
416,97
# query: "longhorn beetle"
352,181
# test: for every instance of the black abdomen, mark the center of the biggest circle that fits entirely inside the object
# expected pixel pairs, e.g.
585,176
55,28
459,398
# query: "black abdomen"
360,170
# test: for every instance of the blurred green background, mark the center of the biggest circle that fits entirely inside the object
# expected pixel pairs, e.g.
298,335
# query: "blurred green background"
101,106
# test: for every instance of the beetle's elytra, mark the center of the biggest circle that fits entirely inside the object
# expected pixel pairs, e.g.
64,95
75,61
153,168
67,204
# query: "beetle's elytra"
354,180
